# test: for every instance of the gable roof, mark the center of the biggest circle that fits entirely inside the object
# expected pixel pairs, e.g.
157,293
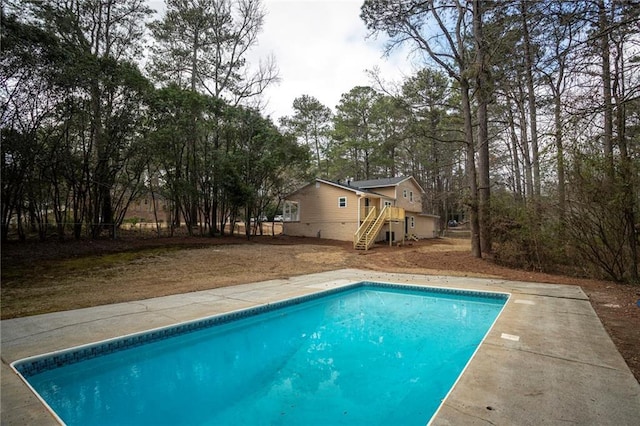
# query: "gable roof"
347,187
350,187
383,183
361,187
378,183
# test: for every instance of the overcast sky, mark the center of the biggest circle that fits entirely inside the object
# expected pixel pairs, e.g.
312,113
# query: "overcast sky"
321,49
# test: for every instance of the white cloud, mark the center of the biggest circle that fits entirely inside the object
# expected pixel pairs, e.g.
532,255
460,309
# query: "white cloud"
321,50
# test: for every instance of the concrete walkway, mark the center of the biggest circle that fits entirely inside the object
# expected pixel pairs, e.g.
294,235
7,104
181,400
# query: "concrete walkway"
548,359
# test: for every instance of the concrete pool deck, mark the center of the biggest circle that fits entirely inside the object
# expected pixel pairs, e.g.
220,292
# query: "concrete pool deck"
547,360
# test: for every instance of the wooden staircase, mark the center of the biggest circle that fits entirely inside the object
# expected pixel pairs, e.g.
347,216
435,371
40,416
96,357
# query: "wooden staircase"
368,231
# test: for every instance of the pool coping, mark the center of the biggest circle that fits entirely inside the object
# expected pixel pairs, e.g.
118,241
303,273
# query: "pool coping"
33,365
561,344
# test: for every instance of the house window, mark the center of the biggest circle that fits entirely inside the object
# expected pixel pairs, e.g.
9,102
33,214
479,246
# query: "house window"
412,221
411,196
404,193
387,203
342,202
291,211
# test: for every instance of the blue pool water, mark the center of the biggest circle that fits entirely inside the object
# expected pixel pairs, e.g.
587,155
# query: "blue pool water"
368,355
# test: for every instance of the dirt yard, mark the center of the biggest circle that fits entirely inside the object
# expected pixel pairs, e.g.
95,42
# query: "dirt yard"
54,276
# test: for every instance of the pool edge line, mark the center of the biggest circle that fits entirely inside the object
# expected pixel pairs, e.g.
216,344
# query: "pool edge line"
233,315
430,422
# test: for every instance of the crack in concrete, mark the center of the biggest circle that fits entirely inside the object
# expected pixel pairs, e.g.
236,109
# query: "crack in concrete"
582,299
553,356
459,410
75,324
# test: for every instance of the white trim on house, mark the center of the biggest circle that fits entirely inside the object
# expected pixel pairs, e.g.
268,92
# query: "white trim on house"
347,213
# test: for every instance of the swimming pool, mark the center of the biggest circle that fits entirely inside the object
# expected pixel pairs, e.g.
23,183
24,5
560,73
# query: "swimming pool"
370,353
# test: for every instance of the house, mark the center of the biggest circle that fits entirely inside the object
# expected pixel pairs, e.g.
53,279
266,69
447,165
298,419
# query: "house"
148,208
360,211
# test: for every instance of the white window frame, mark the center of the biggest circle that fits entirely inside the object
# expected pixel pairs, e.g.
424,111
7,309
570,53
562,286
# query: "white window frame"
404,193
411,196
412,222
388,203
291,211
340,200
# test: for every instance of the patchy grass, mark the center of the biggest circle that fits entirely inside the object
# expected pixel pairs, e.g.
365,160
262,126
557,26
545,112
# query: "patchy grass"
38,287
23,272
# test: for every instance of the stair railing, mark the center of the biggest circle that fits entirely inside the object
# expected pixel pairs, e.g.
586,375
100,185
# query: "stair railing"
368,231
371,233
364,226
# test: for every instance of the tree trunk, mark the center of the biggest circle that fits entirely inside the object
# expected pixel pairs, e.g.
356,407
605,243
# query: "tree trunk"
533,114
476,249
603,24
557,112
482,96
514,153
524,140
100,171
627,178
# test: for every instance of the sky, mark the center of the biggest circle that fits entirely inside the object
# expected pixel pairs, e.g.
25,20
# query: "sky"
321,49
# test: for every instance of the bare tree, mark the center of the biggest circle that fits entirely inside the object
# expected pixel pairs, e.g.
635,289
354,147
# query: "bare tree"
441,32
203,45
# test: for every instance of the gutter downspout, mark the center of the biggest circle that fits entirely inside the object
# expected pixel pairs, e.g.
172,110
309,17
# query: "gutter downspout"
359,194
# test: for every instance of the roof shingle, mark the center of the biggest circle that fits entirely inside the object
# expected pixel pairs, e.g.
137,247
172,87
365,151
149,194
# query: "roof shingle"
378,183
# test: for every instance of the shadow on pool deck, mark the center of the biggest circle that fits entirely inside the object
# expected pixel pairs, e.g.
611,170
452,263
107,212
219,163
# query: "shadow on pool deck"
547,360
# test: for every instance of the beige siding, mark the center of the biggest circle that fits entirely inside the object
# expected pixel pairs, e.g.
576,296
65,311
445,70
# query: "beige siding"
387,191
373,202
396,228
424,226
406,202
320,214
342,231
